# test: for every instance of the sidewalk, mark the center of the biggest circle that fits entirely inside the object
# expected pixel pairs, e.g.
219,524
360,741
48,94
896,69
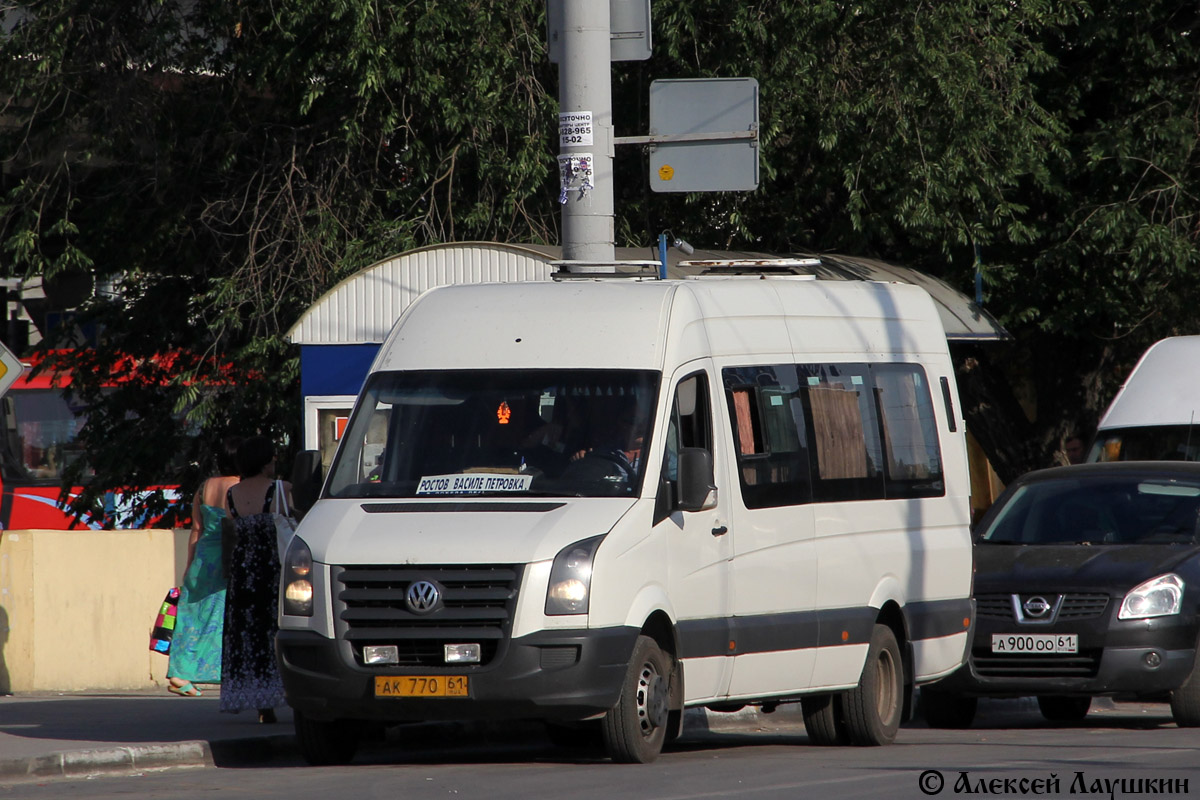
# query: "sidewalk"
48,736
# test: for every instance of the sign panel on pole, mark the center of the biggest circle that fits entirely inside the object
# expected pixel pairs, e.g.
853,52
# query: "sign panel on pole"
629,29
711,125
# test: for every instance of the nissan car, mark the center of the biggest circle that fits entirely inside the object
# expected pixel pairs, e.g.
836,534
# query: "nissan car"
1087,584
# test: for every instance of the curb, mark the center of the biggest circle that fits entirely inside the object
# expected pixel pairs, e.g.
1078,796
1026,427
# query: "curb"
76,764
125,760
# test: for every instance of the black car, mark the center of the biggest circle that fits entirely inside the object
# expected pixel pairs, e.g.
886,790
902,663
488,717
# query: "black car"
1087,583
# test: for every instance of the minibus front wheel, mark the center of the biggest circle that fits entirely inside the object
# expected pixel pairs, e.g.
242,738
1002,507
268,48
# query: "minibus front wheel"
636,727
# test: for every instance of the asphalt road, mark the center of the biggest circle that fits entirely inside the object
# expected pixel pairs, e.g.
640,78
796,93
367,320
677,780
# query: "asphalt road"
1116,752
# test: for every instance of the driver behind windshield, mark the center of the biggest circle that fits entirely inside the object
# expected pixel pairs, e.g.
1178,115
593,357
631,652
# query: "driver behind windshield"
615,439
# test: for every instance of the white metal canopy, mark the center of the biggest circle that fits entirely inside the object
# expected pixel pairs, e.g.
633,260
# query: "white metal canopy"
363,308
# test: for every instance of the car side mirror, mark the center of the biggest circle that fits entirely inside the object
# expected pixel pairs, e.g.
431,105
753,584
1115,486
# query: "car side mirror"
697,489
306,480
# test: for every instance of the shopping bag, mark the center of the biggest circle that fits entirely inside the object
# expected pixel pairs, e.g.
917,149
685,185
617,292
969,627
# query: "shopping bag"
164,625
285,524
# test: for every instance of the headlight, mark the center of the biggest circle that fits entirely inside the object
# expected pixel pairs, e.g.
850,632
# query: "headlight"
297,580
1157,597
571,578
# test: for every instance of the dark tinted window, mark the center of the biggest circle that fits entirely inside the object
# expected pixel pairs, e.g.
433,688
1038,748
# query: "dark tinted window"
1099,510
1149,443
829,432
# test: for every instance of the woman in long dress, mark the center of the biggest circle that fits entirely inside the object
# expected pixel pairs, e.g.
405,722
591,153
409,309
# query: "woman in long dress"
250,675
195,655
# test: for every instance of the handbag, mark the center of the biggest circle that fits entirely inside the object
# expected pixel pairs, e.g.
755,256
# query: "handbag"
164,624
285,523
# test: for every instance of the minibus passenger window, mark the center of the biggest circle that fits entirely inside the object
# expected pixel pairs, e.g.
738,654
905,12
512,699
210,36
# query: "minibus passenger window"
913,461
767,416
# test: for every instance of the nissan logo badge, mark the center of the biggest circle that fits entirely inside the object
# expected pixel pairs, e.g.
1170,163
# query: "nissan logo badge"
423,597
1034,606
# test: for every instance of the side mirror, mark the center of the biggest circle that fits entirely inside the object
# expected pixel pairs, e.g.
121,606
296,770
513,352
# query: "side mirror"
306,480
697,489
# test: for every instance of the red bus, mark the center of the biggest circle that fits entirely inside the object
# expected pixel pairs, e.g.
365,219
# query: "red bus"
38,432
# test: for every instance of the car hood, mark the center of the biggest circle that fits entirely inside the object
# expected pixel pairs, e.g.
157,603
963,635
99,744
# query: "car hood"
1095,568
453,532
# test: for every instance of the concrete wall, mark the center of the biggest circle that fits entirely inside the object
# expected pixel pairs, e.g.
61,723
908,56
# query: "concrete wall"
77,607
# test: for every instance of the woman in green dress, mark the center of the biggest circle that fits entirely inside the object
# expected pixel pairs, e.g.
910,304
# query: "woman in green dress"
195,655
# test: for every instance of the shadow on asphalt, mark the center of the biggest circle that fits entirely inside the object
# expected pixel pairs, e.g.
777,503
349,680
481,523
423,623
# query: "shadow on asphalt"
526,742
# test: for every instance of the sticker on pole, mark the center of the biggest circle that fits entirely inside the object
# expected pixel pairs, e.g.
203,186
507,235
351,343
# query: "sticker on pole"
575,129
10,369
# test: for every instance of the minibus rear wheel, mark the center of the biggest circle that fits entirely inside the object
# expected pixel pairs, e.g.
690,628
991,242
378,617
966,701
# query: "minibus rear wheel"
636,727
824,720
874,707
325,743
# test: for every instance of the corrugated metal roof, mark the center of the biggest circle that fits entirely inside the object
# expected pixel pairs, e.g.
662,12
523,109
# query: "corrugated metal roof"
364,307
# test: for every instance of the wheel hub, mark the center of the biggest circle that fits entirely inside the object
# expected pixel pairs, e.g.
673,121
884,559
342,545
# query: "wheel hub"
652,697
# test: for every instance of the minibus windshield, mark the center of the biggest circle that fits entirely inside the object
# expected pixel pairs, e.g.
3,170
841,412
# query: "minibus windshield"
1147,443
552,432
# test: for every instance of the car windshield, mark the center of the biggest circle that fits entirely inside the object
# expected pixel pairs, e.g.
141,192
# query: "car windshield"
492,432
1127,509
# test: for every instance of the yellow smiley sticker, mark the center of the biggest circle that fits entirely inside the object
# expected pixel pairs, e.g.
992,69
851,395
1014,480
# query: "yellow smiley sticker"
666,172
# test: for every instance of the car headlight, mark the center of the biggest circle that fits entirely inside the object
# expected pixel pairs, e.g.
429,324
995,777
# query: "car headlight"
297,579
571,578
1157,597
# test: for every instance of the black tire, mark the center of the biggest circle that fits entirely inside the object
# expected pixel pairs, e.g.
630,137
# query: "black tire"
824,720
1185,701
1057,708
948,710
326,743
636,727
874,707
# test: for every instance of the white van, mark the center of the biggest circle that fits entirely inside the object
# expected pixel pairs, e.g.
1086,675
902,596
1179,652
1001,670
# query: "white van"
1155,413
598,502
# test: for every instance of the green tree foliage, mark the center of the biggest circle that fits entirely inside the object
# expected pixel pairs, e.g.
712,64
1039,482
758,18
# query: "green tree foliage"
230,162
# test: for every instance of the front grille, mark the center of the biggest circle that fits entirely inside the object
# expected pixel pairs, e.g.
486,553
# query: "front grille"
478,603
1074,606
1025,665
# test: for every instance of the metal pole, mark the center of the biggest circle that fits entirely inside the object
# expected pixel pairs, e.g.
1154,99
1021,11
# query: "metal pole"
662,256
586,154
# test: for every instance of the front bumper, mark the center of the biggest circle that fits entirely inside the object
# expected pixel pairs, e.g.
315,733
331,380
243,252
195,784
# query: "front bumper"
570,674
1140,658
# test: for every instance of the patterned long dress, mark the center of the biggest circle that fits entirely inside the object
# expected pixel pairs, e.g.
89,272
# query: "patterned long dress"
250,676
196,644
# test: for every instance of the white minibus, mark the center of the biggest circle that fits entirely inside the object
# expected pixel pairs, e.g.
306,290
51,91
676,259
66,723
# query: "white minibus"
1154,414
597,502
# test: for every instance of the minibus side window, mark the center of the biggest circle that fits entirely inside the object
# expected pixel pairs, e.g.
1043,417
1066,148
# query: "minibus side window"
912,462
845,428
770,436
690,424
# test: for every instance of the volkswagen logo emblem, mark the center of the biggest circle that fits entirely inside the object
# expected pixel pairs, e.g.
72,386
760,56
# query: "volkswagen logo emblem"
423,597
1034,606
